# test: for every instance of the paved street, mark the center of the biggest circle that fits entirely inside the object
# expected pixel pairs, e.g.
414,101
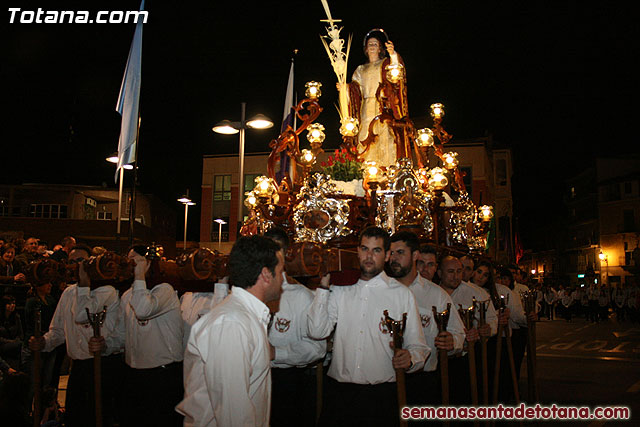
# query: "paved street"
582,363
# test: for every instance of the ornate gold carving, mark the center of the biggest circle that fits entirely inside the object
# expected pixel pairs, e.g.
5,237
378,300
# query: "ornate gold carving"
319,217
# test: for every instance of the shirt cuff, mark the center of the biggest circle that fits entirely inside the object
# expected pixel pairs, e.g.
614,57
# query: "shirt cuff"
139,284
281,354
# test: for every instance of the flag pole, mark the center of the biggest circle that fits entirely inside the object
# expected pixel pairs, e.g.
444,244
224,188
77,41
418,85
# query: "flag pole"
118,227
132,206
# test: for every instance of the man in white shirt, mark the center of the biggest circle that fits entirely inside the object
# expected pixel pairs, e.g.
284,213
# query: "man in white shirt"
518,329
194,305
151,328
462,293
227,362
361,384
424,387
427,263
71,325
294,387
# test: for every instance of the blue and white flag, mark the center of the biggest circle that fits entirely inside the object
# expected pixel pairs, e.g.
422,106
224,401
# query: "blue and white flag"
287,120
129,100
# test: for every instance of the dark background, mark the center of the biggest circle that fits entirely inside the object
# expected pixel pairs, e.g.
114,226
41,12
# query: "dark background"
554,81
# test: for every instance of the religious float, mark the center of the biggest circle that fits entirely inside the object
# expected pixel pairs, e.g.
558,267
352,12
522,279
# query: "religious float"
383,174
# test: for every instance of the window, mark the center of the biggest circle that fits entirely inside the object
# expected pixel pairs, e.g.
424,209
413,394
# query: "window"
628,219
48,211
221,188
104,215
501,172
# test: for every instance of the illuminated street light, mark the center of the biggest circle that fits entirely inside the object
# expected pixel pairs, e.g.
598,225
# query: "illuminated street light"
220,222
186,201
227,127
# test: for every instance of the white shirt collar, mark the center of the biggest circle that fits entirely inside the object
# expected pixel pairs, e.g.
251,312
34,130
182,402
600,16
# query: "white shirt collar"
259,308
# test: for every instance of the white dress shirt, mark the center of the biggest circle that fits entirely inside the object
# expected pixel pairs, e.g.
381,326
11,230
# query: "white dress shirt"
194,305
151,325
289,333
517,319
227,372
361,352
464,294
70,322
519,288
428,295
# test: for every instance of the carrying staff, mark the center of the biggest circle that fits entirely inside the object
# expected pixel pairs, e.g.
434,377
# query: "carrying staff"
363,367
403,266
70,325
466,294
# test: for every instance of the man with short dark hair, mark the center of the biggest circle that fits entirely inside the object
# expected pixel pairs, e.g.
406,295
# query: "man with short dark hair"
363,368
427,263
227,362
424,387
462,293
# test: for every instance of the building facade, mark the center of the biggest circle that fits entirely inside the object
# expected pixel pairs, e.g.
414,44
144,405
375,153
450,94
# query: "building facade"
89,213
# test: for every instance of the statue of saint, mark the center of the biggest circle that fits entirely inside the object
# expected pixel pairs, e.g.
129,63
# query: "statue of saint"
368,99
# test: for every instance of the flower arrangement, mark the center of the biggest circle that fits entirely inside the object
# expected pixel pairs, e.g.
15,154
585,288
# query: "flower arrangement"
342,166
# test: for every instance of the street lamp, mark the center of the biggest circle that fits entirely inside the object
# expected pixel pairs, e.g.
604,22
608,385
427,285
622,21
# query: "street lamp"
605,258
186,201
220,221
227,127
114,159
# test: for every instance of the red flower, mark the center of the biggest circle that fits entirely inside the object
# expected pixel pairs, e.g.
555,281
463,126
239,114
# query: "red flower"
341,160
344,151
330,161
323,164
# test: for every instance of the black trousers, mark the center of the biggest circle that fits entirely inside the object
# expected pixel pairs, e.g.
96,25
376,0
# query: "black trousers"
293,397
424,389
151,396
349,405
80,400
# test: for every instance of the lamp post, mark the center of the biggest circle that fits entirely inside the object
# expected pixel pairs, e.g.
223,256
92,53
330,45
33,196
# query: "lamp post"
220,221
605,258
186,201
227,127
113,158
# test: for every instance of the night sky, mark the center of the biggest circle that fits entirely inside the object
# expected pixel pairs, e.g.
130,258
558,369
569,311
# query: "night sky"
554,81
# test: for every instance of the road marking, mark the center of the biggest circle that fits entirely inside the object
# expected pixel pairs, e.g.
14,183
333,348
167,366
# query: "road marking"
575,356
634,388
630,331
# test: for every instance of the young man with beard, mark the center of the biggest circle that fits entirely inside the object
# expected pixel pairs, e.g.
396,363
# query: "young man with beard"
424,387
227,362
361,385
